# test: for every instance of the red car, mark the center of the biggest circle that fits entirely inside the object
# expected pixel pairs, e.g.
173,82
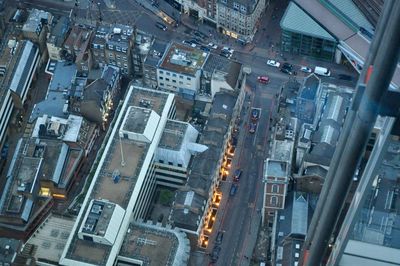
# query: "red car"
263,79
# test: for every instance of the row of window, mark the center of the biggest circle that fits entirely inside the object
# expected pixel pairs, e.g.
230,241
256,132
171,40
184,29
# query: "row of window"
173,74
170,163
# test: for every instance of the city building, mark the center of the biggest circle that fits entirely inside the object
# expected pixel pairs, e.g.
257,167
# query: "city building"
152,244
18,65
112,45
276,180
196,203
350,26
60,87
290,228
322,140
308,99
239,19
46,244
218,74
140,51
56,37
77,48
369,234
8,250
151,62
302,35
96,101
180,69
124,181
36,27
174,153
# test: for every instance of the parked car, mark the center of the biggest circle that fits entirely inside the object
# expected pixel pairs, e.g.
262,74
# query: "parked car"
161,26
228,49
218,239
286,71
212,46
237,174
255,114
225,54
215,253
287,65
305,69
273,63
233,190
253,127
263,79
205,48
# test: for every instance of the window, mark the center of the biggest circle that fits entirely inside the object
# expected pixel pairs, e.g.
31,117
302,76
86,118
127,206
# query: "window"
161,84
174,81
161,78
188,78
170,163
275,188
180,76
179,165
173,74
273,201
167,79
168,74
161,161
161,72
235,6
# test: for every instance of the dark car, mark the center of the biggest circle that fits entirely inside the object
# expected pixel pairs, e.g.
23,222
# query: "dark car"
345,77
255,114
205,48
233,190
253,127
218,239
161,26
287,65
234,141
215,253
286,71
237,174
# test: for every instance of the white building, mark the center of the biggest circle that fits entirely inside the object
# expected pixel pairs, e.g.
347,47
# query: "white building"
179,70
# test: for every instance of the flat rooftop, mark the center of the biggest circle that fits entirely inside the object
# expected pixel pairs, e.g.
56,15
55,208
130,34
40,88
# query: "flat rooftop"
128,165
154,245
276,168
137,119
183,59
50,238
282,150
172,137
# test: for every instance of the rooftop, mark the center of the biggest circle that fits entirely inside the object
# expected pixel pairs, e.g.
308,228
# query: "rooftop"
59,31
275,168
190,199
35,20
221,64
172,137
156,52
310,87
50,238
8,249
77,39
296,20
183,59
155,245
116,180
57,92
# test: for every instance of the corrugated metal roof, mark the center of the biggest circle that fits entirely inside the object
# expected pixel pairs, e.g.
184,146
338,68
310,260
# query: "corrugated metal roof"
296,20
348,8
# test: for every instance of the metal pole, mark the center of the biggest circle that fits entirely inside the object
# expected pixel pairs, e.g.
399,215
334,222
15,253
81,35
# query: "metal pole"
386,62
346,128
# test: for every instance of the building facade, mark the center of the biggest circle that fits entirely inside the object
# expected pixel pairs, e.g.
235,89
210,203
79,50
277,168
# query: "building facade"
112,45
239,19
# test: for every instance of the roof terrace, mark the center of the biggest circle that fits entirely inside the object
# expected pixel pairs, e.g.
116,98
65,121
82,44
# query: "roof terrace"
183,59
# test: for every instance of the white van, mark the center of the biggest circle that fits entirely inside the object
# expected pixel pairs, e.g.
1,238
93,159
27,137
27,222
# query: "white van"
322,71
